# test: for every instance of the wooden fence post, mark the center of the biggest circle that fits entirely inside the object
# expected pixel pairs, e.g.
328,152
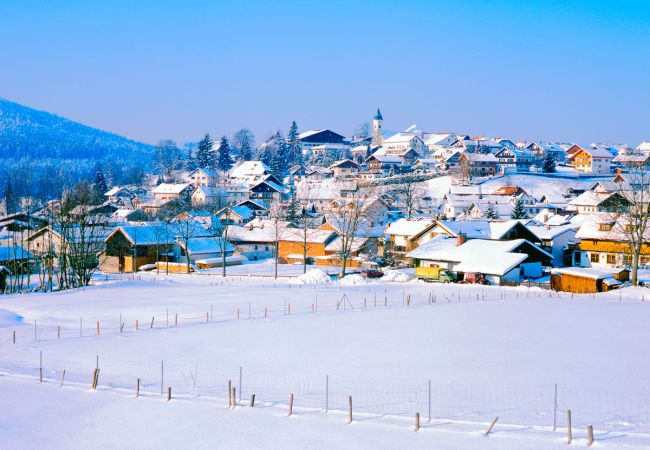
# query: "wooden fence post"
290,404
234,397
62,378
350,409
590,435
169,393
137,389
136,325
417,421
14,336
98,328
152,319
58,332
229,394
176,319
491,425
251,401
569,430
95,376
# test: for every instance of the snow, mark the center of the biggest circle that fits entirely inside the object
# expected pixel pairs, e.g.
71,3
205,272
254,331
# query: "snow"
488,351
170,188
405,227
398,275
313,276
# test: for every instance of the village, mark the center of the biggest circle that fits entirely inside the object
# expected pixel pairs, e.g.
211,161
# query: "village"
456,208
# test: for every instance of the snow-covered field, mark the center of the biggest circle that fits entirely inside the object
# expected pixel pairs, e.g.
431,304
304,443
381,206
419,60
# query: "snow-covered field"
461,355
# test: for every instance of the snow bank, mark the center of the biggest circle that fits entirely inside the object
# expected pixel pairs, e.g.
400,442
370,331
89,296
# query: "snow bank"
7,318
313,276
352,279
400,275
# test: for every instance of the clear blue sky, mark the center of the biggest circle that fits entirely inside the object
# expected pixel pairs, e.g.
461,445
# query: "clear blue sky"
569,70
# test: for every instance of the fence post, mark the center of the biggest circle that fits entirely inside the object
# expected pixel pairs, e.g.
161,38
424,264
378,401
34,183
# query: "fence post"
251,401
162,376
240,378
62,378
152,319
234,397
569,431
590,435
229,394
40,366
327,392
350,409
176,320
169,393
58,331
290,404
417,421
429,400
137,389
491,425
98,328
555,409
14,336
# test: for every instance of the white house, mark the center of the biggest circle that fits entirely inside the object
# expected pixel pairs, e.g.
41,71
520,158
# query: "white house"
497,260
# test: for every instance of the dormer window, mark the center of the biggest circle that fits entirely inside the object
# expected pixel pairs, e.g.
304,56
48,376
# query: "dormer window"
605,227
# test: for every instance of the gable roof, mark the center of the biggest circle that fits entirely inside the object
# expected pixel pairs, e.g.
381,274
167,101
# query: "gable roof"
478,255
170,188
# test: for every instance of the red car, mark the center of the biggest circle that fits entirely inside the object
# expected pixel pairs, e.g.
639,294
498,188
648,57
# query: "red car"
372,273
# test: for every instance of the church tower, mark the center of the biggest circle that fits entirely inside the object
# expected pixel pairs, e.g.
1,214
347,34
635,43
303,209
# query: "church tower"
377,138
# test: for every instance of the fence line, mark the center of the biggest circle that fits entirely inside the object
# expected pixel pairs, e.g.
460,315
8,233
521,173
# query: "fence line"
539,406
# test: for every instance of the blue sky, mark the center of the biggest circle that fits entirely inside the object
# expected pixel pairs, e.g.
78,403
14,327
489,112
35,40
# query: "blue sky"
566,70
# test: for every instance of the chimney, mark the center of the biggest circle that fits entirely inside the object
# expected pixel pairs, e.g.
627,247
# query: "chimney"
547,226
460,239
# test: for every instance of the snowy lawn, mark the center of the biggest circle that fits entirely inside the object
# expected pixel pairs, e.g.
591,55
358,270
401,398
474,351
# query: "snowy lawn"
485,351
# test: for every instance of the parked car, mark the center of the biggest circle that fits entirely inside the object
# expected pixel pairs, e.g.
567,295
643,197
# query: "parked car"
372,273
475,278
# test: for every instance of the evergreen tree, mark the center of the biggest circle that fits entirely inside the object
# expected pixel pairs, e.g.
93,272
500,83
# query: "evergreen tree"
243,142
548,163
292,212
224,161
293,145
265,155
100,184
204,155
190,160
279,164
491,212
519,212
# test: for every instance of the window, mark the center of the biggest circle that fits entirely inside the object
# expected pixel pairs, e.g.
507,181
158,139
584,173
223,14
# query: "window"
644,260
611,259
595,257
605,226
627,260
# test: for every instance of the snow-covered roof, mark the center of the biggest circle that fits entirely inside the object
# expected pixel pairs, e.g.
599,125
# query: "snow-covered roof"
12,252
306,134
476,255
480,157
243,211
337,244
550,233
170,188
313,236
202,245
590,198
249,168
410,228
250,233
644,146
597,152
587,272
402,137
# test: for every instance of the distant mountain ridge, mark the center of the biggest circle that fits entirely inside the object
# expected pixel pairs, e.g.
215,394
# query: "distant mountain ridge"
41,154
29,133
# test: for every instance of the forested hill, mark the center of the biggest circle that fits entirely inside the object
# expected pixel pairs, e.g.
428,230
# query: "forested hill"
26,132
55,152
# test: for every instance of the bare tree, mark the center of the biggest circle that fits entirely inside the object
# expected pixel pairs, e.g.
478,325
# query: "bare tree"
186,228
632,214
278,229
409,192
348,216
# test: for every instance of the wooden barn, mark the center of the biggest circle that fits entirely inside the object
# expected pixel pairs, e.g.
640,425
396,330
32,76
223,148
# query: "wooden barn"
582,280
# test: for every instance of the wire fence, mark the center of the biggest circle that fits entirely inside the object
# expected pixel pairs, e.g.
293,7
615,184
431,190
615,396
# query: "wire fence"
543,407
